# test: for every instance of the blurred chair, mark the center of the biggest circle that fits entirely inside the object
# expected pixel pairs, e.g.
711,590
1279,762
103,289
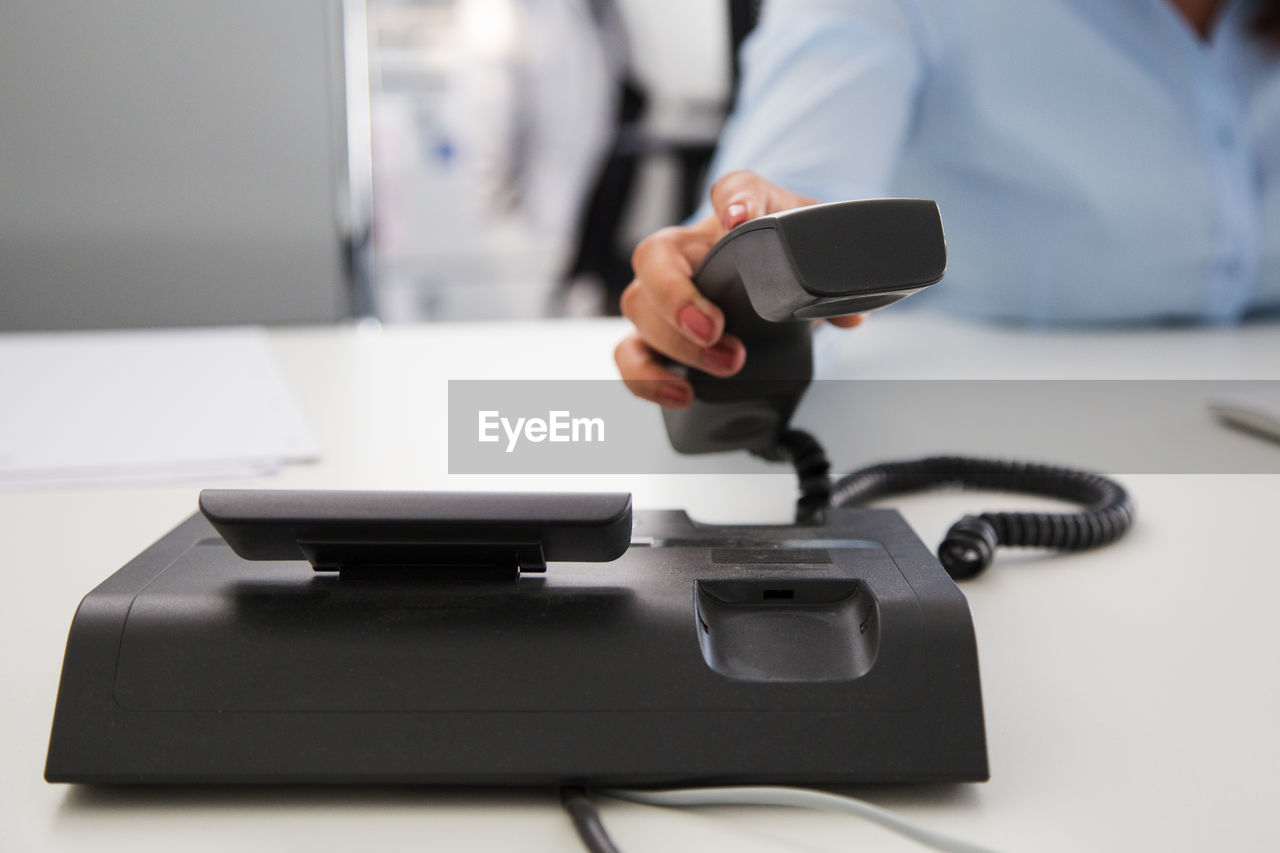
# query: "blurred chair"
181,163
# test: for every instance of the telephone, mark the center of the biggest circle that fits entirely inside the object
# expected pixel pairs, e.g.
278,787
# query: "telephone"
529,639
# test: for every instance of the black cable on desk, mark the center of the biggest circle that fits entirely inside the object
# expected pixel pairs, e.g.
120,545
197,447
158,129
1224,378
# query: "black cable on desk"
970,544
586,820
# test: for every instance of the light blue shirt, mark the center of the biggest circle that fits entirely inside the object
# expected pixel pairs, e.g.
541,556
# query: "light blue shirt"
1094,160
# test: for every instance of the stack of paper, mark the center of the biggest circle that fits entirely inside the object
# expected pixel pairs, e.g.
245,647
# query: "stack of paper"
130,406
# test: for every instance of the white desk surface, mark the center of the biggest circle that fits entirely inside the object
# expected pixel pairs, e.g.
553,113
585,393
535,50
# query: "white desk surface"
1132,694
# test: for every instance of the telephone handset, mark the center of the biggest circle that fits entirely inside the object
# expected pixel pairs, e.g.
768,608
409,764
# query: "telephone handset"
775,274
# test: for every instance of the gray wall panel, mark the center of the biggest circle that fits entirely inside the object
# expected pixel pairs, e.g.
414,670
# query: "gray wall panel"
168,162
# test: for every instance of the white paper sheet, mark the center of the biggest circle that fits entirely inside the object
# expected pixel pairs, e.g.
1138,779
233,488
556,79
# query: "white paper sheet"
82,408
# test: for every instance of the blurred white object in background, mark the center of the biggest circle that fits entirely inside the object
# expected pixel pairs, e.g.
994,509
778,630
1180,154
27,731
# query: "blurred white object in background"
1253,407
533,114
489,121
492,120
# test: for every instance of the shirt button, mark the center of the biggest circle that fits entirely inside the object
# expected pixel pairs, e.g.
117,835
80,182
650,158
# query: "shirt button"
1225,136
1230,266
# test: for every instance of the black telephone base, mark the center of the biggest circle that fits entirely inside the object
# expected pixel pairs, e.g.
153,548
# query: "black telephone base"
832,654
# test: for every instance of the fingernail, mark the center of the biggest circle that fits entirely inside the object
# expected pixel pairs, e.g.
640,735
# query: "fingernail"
722,356
696,324
675,395
735,215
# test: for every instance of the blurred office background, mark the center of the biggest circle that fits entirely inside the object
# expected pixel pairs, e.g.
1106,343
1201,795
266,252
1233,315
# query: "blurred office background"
191,162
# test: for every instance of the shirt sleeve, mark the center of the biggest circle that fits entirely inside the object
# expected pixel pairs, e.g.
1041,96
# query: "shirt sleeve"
827,95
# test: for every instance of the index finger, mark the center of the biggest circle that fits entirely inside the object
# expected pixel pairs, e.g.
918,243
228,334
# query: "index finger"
664,263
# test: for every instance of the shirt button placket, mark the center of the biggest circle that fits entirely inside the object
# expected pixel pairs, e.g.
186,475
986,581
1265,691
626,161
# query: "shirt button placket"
1233,203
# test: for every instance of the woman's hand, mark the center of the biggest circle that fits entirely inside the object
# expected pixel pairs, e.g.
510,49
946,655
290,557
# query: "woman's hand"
671,317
